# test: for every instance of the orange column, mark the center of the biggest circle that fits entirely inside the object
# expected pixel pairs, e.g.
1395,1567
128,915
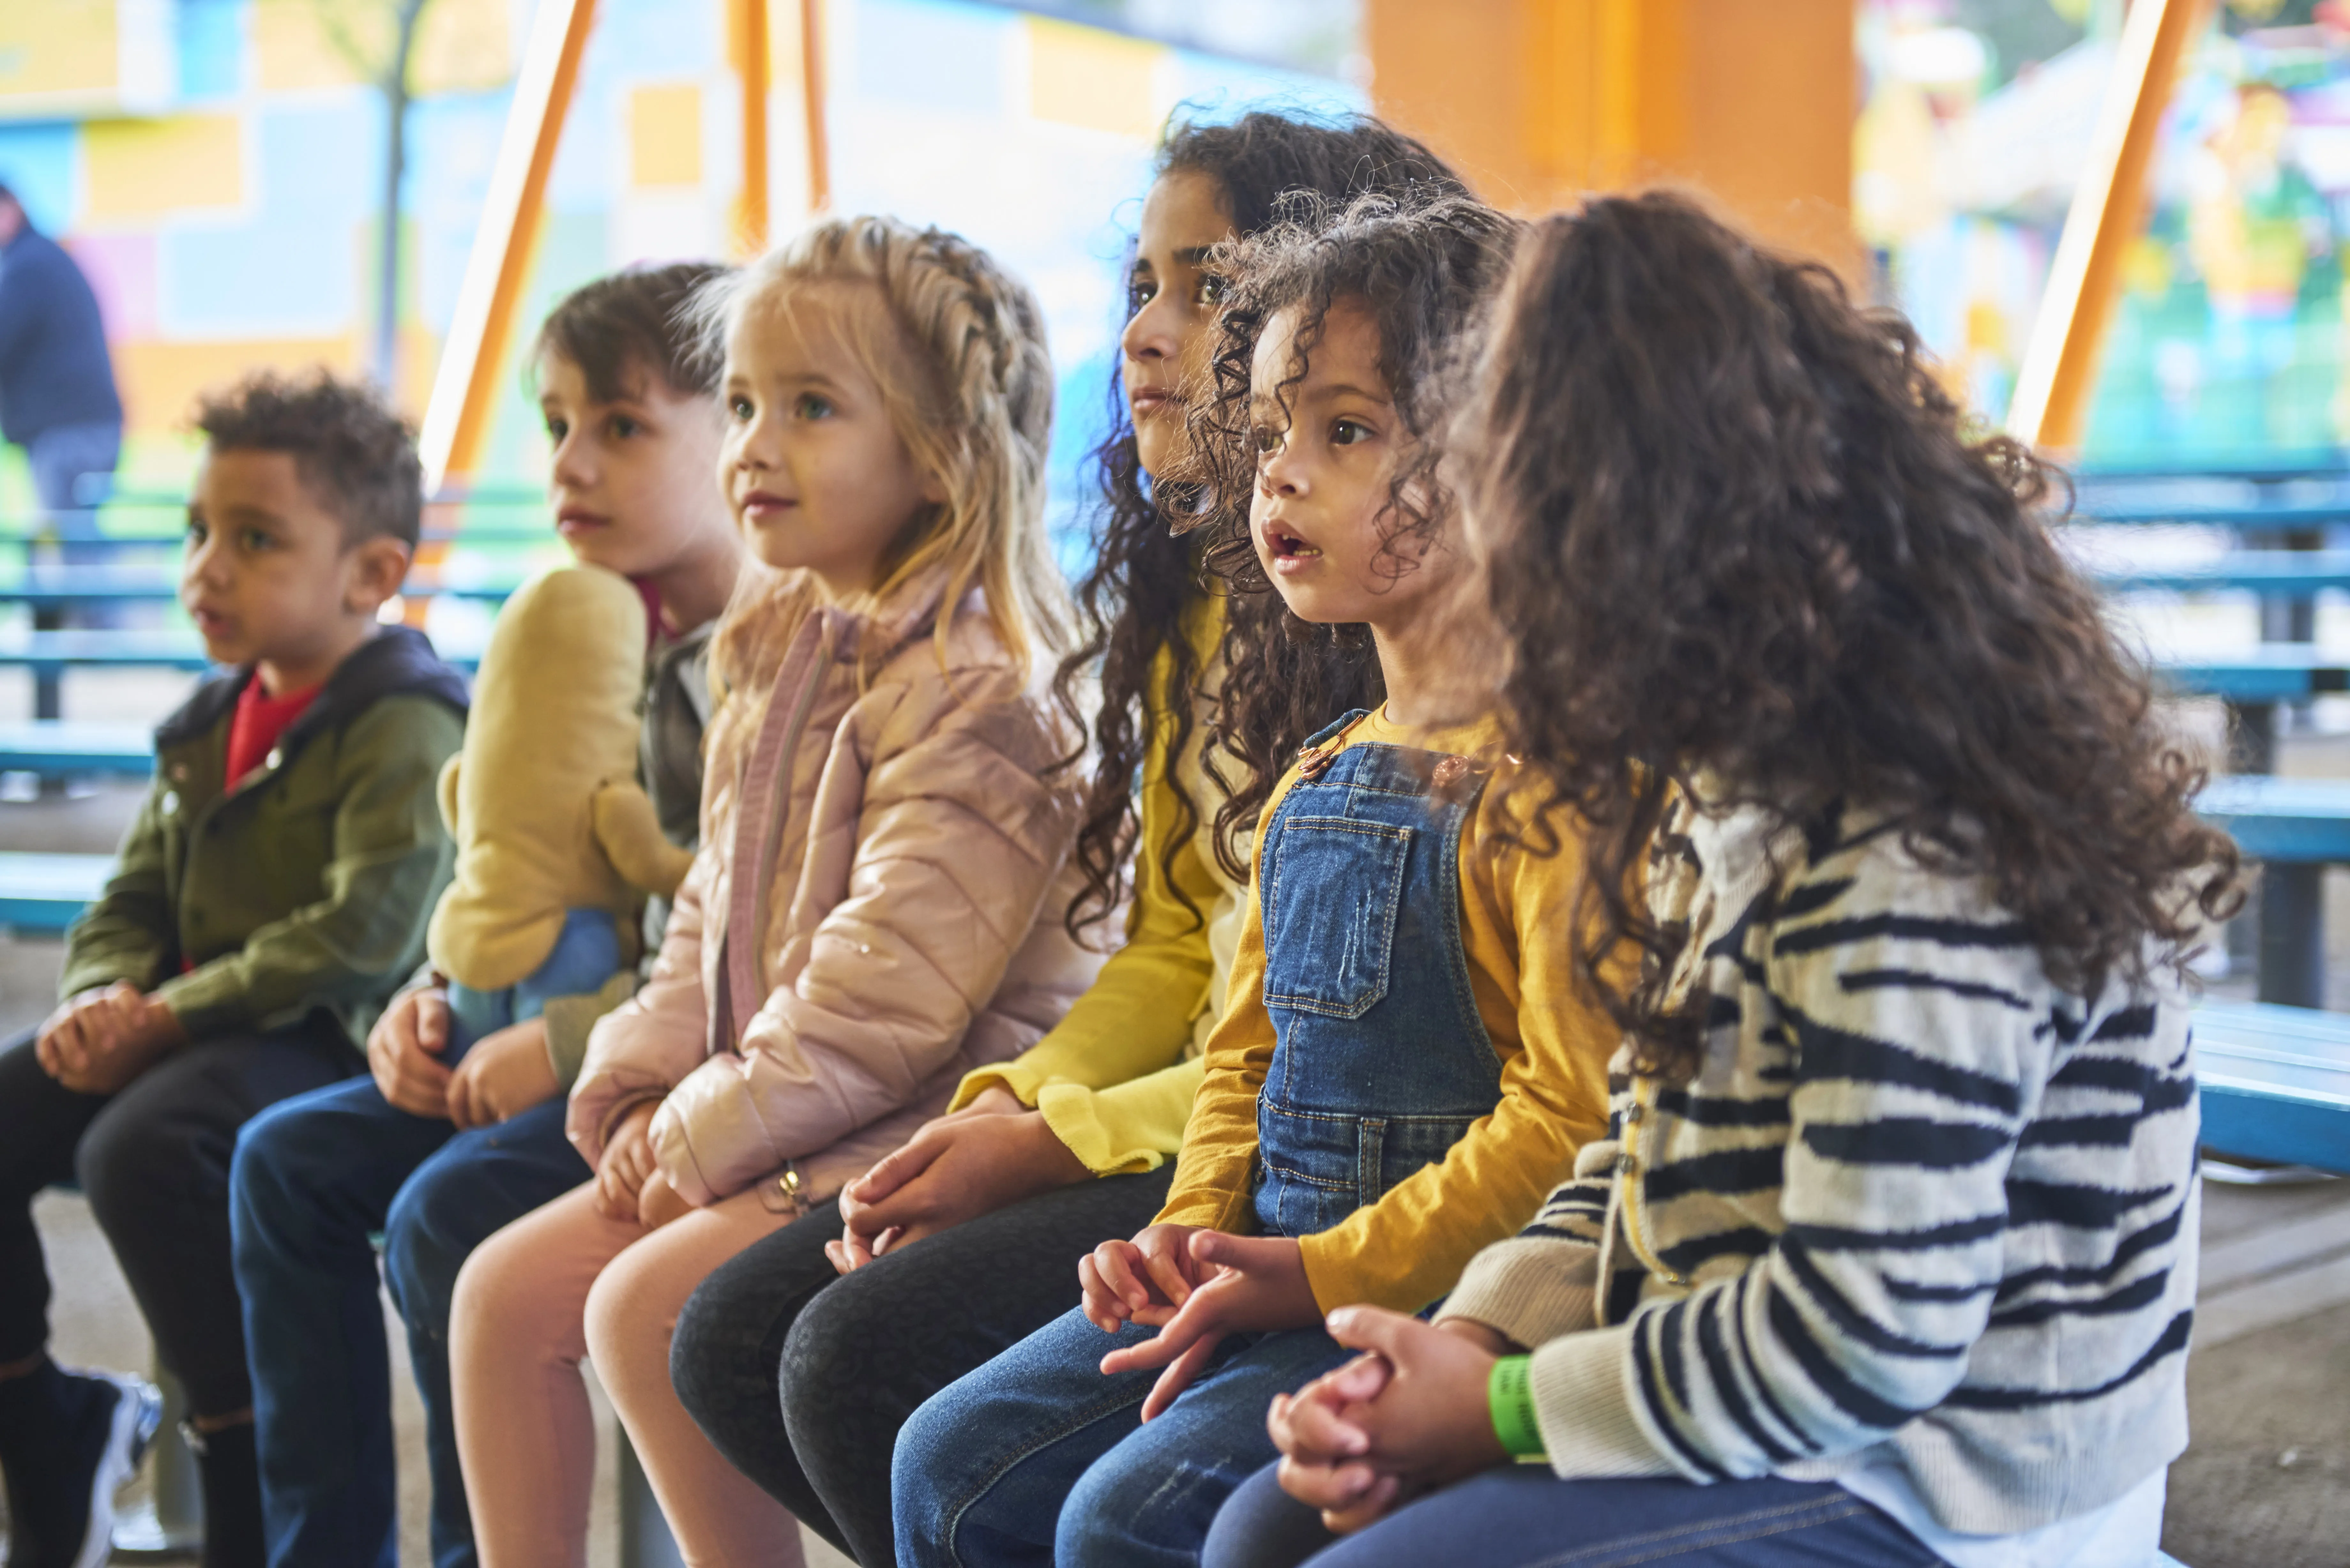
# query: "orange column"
748,36
2109,207
1750,102
819,146
465,386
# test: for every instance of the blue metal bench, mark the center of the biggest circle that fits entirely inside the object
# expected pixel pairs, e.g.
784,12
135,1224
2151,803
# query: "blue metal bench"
46,893
2295,828
58,748
124,650
2284,518
2275,1082
2270,673
2289,574
2301,821
80,584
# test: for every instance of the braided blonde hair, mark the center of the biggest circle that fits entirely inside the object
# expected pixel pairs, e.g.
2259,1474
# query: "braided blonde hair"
956,344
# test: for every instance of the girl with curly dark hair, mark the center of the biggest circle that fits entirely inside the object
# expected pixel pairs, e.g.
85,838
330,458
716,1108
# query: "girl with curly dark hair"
1389,1088
1041,1156
1890,1255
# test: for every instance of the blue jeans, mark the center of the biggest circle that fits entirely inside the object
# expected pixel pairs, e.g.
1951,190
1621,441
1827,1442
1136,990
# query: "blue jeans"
1524,1516
72,468
62,457
313,1178
1062,1469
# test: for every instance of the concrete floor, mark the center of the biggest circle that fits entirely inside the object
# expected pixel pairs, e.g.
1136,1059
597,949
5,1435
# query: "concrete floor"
2265,1483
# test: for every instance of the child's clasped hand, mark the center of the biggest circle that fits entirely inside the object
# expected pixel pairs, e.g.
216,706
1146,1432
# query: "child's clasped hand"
1409,1414
629,1182
403,1051
1197,1286
97,1042
627,1161
988,1156
505,1073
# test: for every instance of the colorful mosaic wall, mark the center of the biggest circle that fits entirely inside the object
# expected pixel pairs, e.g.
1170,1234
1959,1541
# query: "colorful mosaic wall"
2227,346
215,166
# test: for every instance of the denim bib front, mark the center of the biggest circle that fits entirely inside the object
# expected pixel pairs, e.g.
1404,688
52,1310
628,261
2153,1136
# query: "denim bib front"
1382,1061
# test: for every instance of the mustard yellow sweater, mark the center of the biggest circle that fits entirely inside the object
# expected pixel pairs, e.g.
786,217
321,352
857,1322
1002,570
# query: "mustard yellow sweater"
1115,1080
1553,1039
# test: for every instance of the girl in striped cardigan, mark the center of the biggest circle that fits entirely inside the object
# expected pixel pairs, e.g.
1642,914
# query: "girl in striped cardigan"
1889,1255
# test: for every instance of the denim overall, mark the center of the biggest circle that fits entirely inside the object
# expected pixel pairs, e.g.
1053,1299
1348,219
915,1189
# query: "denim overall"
1381,1063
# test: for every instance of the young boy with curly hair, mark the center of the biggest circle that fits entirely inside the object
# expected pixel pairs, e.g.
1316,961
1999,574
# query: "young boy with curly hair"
269,897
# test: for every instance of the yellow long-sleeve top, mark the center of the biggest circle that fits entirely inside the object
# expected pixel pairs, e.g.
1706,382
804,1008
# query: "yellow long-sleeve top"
1114,1079
1553,1039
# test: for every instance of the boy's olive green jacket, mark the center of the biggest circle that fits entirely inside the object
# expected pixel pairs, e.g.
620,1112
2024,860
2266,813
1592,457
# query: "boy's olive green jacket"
308,885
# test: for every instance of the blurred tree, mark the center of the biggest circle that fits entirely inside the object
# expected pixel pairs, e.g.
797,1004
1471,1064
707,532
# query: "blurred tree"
377,39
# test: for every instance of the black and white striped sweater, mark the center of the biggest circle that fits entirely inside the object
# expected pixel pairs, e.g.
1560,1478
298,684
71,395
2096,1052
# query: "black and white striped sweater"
1917,1204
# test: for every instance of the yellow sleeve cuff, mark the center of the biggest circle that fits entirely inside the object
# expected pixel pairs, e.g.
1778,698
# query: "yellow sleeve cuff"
1023,1083
1136,1126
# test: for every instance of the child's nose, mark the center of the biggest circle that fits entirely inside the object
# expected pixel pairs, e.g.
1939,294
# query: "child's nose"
571,465
203,566
760,445
1147,334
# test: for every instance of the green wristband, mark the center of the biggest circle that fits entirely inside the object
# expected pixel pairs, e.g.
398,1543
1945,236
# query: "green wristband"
1510,1392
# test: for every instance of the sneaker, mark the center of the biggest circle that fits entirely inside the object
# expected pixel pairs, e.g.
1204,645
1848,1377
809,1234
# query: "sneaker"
65,1518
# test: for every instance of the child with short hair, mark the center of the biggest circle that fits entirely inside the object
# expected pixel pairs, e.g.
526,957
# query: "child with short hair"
1399,1074
875,906
436,1154
1889,1256
269,897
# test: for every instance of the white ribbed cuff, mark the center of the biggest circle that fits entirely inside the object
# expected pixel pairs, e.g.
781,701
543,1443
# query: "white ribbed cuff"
1583,1403
1531,1288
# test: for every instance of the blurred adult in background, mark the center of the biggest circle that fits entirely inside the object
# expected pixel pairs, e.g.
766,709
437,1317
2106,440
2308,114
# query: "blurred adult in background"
58,399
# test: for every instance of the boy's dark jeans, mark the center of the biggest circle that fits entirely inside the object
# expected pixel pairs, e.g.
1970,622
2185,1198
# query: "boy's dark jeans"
313,1178
153,1160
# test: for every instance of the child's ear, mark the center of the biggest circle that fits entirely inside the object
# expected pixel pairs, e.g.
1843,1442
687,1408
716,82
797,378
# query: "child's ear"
934,487
378,566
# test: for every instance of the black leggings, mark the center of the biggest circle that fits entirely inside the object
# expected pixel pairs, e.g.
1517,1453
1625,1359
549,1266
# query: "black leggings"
153,1161
853,1355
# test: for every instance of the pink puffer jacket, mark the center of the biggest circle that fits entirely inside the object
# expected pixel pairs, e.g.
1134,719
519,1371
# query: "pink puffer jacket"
910,843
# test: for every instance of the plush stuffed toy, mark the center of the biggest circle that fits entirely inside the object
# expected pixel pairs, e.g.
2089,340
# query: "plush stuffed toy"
556,839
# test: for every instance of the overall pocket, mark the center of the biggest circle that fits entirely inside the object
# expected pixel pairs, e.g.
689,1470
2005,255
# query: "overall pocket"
1330,900
1316,1168
1307,1170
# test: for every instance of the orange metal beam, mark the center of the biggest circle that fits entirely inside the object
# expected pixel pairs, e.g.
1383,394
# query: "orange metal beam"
1542,102
465,388
751,207
819,146
2053,384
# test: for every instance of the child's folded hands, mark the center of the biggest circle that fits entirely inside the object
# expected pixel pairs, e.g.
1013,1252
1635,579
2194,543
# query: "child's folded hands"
1220,1284
403,1051
505,1074
992,1153
658,1202
627,1161
1412,1414
101,1040
1142,1280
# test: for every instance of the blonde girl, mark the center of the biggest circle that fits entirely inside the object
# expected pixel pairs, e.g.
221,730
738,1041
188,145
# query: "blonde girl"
875,906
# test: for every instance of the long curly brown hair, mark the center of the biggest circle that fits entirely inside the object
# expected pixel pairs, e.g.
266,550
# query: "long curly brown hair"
1422,267
1144,580
1733,526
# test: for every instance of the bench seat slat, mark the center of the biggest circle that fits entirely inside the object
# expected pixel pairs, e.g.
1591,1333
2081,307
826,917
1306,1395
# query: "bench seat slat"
2285,820
2275,1082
